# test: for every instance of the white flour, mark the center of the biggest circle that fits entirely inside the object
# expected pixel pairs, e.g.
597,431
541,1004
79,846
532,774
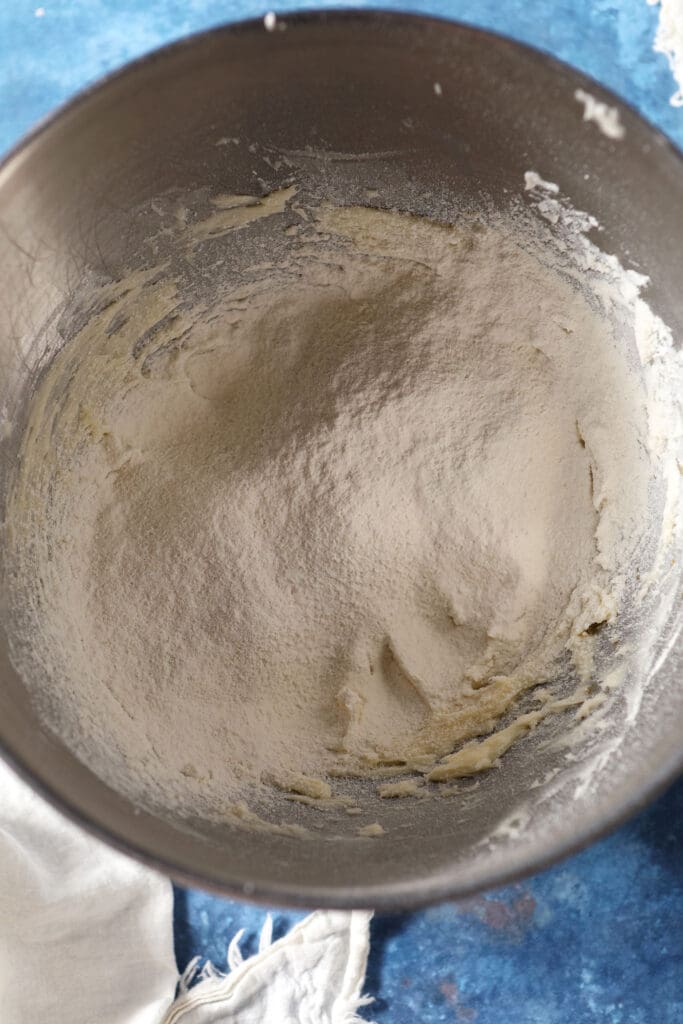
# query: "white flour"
669,41
605,117
383,489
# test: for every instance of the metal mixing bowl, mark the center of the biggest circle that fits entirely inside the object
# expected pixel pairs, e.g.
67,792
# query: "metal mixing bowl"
348,97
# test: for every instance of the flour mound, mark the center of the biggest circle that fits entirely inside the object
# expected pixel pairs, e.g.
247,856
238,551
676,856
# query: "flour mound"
387,485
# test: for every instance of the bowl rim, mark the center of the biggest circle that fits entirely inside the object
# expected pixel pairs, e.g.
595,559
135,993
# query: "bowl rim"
430,888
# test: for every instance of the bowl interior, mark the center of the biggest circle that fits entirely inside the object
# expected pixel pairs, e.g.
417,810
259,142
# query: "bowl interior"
345,104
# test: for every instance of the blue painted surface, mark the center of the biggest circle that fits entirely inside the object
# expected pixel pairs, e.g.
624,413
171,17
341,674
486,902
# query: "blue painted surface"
597,938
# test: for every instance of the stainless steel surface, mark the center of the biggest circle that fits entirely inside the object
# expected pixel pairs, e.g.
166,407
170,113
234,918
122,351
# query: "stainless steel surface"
324,90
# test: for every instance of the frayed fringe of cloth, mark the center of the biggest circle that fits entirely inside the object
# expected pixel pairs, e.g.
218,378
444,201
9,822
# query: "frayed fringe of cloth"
193,974
203,984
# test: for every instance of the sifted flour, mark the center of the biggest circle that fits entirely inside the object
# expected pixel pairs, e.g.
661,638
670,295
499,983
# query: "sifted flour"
397,478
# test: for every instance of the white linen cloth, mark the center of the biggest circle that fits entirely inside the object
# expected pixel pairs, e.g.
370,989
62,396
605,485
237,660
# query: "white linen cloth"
314,975
86,937
86,934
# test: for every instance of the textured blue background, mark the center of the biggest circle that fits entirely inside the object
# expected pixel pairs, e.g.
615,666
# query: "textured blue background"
597,938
